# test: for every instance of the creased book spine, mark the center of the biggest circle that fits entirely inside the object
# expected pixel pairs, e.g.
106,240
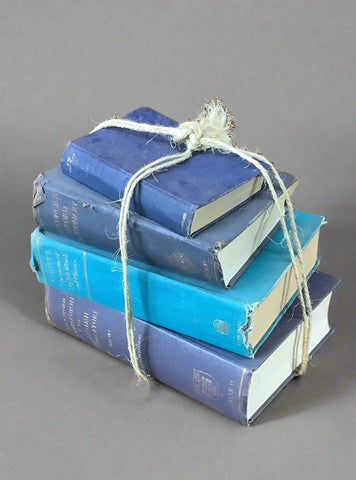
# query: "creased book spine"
215,377
227,318
67,208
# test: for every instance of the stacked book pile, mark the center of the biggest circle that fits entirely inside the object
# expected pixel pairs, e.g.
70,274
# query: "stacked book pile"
214,297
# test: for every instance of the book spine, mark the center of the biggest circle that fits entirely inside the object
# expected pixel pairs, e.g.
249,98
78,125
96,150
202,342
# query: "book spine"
193,311
172,359
147,200
65,212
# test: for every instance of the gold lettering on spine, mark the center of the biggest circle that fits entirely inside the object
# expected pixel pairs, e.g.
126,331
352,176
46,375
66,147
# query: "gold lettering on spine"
86,322
55,212
66,219
50,266
109,337
95,338
74,217
71,316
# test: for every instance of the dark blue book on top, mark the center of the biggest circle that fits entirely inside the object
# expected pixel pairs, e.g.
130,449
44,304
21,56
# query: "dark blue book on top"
185,198
236,386
218,255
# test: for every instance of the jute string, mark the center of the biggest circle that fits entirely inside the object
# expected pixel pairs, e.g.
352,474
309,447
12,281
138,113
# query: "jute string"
212,130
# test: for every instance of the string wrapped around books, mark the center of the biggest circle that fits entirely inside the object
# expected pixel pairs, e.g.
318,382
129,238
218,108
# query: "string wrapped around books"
212,129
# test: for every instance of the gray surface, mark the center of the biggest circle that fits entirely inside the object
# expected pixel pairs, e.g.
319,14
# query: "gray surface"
288,70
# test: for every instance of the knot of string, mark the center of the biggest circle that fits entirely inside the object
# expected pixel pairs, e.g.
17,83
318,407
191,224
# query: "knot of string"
192,134
214,124
212,129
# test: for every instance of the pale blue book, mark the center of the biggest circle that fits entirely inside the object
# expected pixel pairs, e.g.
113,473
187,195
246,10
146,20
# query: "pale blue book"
239,319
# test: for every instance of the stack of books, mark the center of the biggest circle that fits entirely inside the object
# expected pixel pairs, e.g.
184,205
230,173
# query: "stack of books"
212,286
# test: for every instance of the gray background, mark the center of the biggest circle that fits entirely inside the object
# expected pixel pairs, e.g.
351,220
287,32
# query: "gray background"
287,69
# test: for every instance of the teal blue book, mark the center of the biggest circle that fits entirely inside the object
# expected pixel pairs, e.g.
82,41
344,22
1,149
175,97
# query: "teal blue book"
239,319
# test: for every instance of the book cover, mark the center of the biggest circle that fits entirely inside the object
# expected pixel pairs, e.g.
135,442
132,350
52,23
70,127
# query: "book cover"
238,319
217,255
105,160
235,386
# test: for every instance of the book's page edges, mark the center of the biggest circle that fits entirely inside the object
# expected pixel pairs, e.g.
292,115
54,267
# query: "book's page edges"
320,285
284,309
253,257
241,217
274,260
285,383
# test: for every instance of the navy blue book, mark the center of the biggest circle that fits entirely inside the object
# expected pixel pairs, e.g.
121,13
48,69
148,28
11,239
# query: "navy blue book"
234,385
218,255
185,198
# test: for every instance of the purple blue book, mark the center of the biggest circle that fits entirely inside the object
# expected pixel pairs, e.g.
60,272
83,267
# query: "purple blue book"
185,198
237,319
234,385
218,255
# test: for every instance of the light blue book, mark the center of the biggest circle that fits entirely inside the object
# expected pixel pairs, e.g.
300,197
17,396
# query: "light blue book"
239,319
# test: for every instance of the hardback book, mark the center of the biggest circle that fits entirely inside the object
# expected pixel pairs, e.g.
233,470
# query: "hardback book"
237,319
236,386
185,198
218,254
